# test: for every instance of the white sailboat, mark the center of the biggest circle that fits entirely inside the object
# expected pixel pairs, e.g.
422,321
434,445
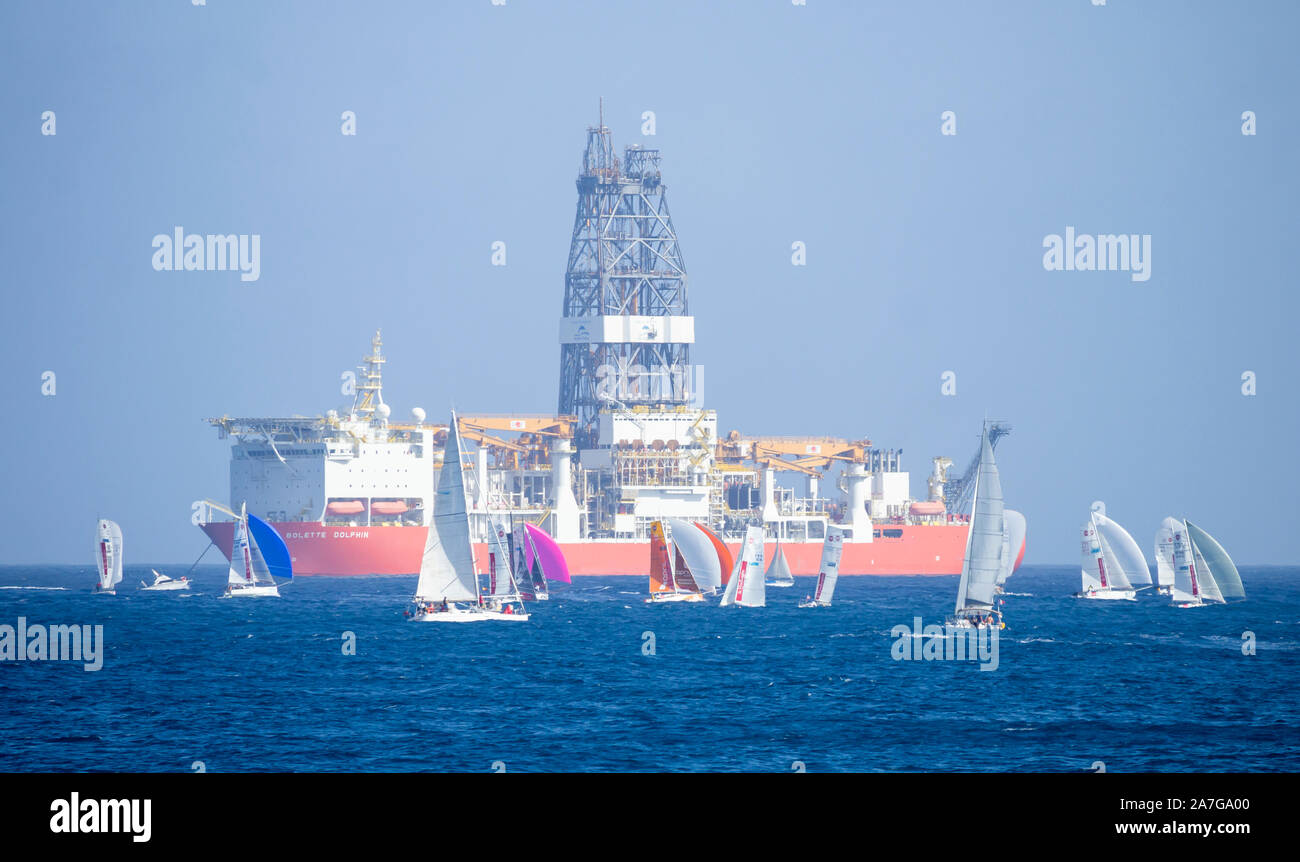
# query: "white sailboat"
447,590
778,573
257,556
829,573
162,583
1165,555
1203,571
982,564
1112,562
696,551
671,578
108,557
747,586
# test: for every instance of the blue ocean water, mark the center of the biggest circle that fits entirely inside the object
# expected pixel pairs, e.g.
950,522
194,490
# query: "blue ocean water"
264,684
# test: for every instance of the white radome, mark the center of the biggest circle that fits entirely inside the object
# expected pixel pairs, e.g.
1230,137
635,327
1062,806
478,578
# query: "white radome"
417,413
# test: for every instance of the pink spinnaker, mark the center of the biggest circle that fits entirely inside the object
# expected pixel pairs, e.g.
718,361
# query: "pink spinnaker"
554,566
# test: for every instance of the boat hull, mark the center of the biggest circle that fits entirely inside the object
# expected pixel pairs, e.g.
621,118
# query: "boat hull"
251,593
666,598
467,615
318,549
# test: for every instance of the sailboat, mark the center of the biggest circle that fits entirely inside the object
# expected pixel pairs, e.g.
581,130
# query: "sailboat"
1165,555
671,579
1203,571
696,551
257,557
1112,562
1013,539
537,558
778,574
448,590
108,557
162,583
982,563
725,561
832,548
747,586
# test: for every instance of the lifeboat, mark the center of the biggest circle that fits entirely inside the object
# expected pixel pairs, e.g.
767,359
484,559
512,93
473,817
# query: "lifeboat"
345,507
389,507
927,509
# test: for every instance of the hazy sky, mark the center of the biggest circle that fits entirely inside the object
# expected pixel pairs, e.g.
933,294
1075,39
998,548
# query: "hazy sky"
778,123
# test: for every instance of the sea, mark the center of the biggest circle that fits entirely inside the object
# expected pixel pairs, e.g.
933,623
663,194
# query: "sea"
331,677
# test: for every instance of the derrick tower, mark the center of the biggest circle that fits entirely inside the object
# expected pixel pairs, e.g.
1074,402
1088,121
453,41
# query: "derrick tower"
626,331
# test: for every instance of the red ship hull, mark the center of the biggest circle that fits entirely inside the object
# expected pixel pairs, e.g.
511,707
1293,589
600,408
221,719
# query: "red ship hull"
318,549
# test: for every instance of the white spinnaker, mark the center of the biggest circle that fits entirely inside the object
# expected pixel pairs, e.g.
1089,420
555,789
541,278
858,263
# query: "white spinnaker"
829,573
1132,562
699,553
1165,551
1219,564
747,586
1013,539
1204,574
983,562
447,567
261,572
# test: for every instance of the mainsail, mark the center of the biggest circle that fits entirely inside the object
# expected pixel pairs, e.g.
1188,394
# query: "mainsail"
108,554
501,580
1165,551
698,553
447,568
829,573
983,560
747,587
1193,583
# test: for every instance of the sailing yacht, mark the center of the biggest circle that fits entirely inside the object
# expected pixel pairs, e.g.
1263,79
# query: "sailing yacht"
829,573
1112,562
108,557
537,559
671,579
448,587
162,583
778,574
257,557
984,541
696,551
1203,571
747,588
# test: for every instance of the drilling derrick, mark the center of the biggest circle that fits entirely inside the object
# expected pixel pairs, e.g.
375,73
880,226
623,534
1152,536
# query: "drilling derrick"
626,331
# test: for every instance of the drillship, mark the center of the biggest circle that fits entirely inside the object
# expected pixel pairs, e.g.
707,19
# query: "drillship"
351,492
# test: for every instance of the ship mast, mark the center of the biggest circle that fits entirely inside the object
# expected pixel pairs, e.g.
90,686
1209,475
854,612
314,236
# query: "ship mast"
370,387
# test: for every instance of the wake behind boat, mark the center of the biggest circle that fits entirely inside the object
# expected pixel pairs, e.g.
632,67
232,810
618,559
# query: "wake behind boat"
162,583
448,588
108,557
1112,562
